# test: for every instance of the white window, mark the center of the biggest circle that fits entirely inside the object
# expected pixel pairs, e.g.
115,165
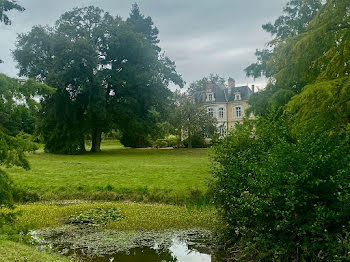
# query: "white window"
238,112
210,97
222,131
221,112
211,111
237,96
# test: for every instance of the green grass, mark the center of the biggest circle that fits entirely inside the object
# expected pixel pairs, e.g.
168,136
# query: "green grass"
12,252
117,173
163,175
136,216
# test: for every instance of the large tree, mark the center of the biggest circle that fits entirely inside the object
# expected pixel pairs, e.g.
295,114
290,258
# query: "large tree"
144,25
314,66
297,15
295,22
191,120
280,189
105,73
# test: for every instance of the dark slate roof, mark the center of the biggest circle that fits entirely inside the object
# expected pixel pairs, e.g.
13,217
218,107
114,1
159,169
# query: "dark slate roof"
222,96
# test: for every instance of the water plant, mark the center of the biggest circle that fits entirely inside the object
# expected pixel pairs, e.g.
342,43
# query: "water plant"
97,216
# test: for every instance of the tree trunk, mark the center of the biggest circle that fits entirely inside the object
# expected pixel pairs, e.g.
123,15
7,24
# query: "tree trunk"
82,145
96,141
189,141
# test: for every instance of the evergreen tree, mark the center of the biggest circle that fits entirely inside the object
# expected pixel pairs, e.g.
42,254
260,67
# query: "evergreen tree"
106,76
144,25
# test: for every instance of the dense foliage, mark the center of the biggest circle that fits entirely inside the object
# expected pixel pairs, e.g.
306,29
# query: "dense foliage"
108,74
18,109
282,180
284,198
316,54
11,154
19,104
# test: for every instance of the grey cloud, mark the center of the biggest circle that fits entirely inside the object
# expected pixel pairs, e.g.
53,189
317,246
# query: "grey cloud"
202,36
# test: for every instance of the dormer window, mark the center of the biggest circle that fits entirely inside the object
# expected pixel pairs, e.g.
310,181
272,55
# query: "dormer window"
210,97
238,96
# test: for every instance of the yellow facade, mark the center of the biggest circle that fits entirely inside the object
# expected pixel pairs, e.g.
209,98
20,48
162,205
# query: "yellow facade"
232,117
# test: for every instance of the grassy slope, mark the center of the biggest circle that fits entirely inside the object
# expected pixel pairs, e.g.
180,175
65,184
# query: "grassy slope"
11,251
174,173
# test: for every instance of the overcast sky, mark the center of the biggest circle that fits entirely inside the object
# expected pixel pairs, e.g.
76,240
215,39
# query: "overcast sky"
201,36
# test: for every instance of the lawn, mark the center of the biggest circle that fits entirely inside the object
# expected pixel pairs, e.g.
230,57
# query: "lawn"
12,252
156,175
69,183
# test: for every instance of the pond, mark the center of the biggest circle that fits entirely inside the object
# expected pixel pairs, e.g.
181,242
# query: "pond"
99,245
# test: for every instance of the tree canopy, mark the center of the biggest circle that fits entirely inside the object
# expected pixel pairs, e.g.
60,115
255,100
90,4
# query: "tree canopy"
8,5
107,74
316,54
282,182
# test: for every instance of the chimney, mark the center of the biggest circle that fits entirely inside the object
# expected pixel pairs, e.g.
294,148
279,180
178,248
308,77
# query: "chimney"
253,88
231,82
209,86
204,97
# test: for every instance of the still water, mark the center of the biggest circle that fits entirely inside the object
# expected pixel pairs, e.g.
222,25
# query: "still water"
87,244
178,251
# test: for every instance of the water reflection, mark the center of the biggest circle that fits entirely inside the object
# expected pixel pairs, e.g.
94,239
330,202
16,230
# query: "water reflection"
99,245
182,253
137,255
179,251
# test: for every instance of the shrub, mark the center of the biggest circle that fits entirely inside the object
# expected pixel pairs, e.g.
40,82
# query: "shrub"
134,140
170,141
284,198
198,141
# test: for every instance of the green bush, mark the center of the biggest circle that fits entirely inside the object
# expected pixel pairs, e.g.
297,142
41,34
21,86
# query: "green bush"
198,141
170,141
134,140
284,198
